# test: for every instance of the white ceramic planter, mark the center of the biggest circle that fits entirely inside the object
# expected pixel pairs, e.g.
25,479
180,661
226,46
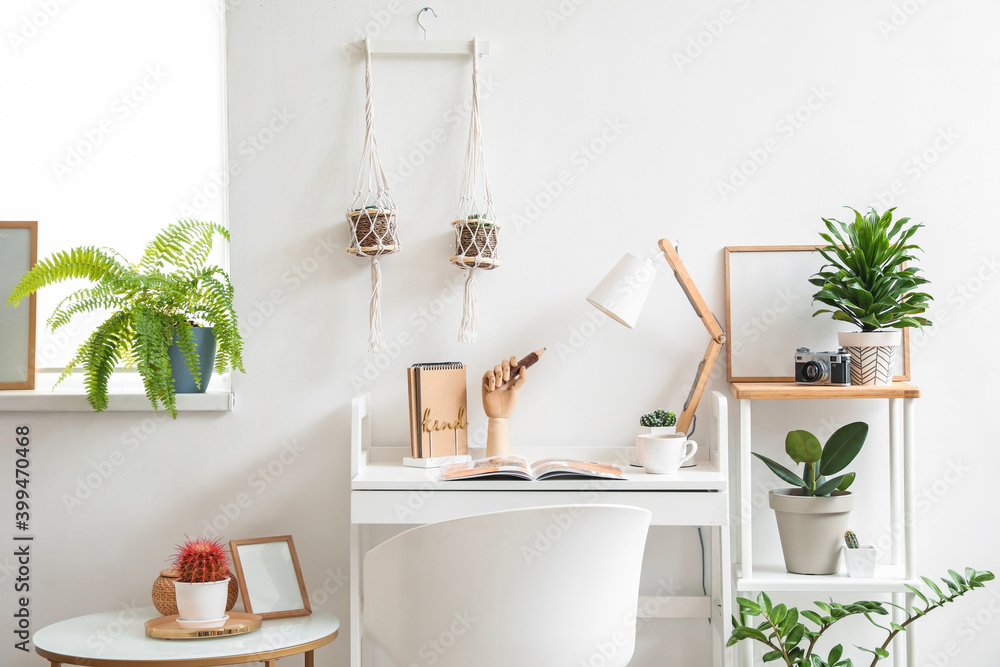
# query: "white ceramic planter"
873,355
861,561
202,602
657,430
811,529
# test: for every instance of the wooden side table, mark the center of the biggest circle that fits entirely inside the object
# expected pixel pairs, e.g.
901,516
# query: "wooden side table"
118,639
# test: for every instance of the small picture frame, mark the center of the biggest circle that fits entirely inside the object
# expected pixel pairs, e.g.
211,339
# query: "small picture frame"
270,579
18,254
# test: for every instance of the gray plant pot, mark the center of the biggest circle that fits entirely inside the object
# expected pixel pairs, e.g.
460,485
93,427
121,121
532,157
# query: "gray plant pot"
811,529
204,342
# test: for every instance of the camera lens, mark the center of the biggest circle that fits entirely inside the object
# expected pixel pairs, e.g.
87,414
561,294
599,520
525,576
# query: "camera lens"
814,371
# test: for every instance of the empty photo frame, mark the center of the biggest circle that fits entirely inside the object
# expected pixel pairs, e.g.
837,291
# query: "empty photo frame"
18,253
270,579
769,311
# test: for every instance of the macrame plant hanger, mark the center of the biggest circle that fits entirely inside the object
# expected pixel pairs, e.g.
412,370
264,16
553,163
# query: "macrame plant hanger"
372,214
476,228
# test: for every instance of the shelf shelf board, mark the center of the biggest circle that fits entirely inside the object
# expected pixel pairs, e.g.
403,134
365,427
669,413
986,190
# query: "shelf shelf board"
774,578
791,390
62,401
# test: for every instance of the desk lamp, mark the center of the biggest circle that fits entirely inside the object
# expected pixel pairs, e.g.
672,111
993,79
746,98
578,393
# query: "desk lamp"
622,294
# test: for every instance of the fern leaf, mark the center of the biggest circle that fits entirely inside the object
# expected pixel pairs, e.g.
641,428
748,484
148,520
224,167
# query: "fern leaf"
87,262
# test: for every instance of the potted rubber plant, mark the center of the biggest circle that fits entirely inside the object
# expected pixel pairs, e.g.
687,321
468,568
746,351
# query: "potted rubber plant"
870,280
202,583
791,637
171,314
813,516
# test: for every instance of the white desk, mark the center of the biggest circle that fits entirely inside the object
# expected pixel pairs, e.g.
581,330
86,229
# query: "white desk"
383,491
118,639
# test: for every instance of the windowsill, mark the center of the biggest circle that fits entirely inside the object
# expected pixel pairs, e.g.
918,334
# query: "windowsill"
125,394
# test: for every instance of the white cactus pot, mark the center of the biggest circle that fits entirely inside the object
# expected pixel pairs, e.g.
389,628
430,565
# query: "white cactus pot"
873,355
861,561
200,602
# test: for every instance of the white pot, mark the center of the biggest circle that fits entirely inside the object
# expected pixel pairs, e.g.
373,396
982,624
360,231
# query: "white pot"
873,355
657,430
201,602
811,529
860,561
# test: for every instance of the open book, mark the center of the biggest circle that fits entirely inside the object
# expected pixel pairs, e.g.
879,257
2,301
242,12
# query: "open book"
516,466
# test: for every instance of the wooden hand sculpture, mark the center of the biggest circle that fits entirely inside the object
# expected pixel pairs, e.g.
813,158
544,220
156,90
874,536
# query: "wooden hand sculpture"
500,385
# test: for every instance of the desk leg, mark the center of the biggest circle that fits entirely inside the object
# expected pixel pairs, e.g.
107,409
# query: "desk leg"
309,659
355,595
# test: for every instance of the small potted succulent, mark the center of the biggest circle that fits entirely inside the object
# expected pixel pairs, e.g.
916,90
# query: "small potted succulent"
813,516
658,422
202,584
476,241
860,559
870,281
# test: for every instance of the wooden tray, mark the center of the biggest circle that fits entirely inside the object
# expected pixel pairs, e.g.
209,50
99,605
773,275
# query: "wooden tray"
167,627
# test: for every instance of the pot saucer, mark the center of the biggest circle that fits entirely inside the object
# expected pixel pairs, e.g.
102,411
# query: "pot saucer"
202,624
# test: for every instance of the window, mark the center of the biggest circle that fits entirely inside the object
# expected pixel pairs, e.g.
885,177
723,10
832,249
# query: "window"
114,127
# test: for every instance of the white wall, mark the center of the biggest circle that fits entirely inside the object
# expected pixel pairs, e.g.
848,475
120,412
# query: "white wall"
670,134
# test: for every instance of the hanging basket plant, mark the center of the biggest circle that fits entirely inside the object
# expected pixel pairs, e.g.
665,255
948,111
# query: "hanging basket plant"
476,229
372,214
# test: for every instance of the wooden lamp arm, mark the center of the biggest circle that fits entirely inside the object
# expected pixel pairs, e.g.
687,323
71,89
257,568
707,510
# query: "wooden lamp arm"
711,324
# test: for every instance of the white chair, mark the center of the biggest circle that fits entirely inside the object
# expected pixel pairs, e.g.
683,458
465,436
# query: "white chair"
546,587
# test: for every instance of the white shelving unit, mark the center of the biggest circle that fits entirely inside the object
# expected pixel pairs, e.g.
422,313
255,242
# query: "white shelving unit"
751,577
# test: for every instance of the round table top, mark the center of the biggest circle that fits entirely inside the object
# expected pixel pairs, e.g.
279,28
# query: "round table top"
119,637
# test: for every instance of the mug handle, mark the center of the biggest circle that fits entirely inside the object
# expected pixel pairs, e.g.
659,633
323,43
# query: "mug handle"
687,455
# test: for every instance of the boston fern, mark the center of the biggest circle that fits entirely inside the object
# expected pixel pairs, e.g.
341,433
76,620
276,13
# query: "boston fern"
791,641
864,281
152,303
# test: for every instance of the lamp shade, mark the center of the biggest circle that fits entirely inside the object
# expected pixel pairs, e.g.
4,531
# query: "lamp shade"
623,291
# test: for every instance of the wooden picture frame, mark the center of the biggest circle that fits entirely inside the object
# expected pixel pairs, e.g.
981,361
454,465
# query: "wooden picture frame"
774,289
18,253
270,579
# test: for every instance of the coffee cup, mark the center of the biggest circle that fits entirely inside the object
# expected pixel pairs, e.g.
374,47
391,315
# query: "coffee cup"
666,453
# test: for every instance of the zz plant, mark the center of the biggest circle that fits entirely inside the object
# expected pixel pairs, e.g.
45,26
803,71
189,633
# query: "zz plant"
790,640
152,303
864,281
819,461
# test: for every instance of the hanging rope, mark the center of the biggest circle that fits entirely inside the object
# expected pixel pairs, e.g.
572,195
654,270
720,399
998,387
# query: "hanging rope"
372,214
476,228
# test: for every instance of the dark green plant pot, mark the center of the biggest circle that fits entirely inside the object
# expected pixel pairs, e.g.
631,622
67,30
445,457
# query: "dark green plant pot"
204,342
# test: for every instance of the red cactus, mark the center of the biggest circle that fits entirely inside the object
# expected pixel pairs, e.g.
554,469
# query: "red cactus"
201,561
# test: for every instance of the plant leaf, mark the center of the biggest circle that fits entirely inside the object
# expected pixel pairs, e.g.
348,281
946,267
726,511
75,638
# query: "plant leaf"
842,447
803,447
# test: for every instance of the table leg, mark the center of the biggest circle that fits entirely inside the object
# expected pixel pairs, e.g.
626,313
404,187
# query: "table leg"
55,664
309,659
271,663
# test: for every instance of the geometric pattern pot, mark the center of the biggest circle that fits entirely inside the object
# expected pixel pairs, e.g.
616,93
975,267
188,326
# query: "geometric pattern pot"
872,365
873,355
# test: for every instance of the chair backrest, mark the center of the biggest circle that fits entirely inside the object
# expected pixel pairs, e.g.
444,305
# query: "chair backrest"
547,587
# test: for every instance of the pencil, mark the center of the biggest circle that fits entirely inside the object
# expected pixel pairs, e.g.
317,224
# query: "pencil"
527,362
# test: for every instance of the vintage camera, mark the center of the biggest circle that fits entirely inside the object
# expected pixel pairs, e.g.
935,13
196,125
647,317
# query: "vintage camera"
822,367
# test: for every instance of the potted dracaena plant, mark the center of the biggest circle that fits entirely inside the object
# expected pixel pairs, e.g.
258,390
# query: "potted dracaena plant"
870,281
813,516
202,583
788,639
171,314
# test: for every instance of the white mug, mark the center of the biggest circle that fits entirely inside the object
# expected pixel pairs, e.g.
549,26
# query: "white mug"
664,454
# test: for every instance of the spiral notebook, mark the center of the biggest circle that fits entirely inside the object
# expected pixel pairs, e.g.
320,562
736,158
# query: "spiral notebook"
439,423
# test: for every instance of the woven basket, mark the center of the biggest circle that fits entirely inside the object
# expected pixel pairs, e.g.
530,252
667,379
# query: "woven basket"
165,599
375,231
476,243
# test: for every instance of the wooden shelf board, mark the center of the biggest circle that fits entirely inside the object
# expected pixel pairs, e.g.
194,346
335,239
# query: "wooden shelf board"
790,390
768,578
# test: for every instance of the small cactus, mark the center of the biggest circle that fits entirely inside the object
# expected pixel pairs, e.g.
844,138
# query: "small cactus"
201,561
658,418
851,540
